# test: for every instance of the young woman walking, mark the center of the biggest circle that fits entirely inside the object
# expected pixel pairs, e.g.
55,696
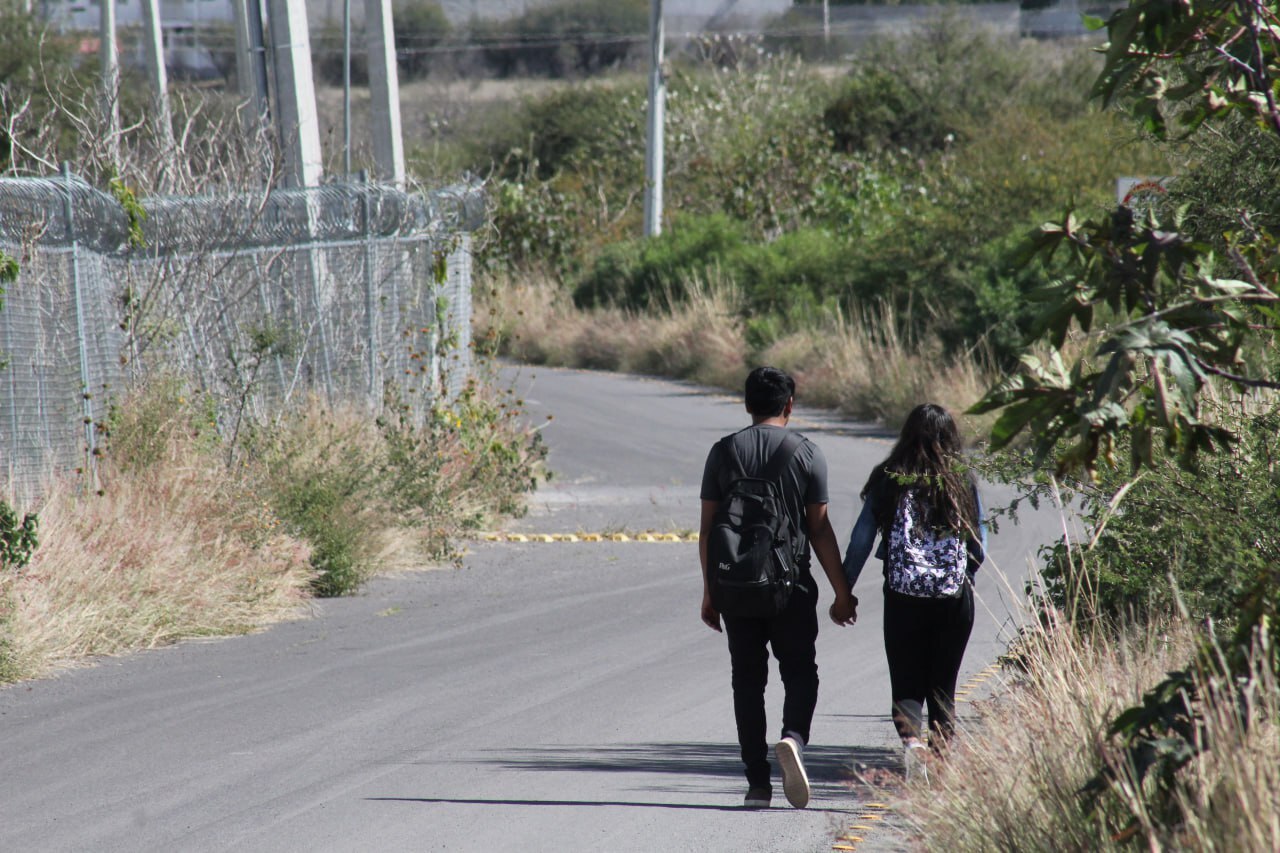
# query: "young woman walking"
926,509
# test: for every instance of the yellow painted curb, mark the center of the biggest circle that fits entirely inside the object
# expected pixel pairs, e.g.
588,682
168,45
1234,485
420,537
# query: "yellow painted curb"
647,537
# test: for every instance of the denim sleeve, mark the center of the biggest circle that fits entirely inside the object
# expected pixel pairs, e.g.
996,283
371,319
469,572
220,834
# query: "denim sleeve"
861,541
982,522
978,550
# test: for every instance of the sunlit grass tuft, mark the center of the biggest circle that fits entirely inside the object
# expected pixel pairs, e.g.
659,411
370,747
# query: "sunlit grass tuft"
860,365
1013,779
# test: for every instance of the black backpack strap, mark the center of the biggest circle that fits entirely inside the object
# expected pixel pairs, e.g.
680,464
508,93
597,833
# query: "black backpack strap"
737,472
778,461
781,458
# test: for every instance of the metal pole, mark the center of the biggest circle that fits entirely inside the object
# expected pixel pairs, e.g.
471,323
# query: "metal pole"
346,87
156,69
384,93
86,397
370,301
6,316
826,25
108,52
653,161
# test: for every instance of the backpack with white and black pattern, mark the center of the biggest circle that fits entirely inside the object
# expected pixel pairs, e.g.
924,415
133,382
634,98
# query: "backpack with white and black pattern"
923,562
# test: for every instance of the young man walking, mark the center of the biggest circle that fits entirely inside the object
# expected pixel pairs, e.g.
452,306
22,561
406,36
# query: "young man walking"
792,632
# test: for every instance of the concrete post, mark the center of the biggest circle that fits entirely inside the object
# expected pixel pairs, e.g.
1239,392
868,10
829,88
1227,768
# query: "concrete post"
251,55
109,53
153,39
384,93
298,122
653,160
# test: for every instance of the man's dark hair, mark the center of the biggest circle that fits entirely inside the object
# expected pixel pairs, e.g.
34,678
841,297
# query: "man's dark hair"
768,390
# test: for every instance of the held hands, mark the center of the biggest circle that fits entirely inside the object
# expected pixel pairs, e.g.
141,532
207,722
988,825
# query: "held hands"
710,616
844,610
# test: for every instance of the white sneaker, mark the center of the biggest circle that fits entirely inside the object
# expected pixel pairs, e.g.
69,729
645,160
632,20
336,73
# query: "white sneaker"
913,761
795,782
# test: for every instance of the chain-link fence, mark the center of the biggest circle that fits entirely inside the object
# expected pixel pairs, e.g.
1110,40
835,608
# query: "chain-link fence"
350,291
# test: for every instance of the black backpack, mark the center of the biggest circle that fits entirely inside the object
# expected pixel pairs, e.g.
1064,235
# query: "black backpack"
751,553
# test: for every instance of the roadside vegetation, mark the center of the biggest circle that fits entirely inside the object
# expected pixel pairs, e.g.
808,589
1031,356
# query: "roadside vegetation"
1145,708
177,542
203,515
879,228
883,204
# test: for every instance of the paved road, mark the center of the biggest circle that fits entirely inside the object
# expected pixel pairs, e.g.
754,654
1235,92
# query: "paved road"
545,697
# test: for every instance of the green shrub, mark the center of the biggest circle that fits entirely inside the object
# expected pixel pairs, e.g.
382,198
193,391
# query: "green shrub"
18,539
140,428
319,473
568,128
879,108
1233,179
569,38
1212,532
638,274
794,274
420,27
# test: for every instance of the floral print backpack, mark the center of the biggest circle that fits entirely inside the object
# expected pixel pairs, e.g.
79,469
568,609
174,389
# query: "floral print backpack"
923,562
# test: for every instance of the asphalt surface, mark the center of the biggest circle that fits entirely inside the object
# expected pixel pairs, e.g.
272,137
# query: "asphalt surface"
545,697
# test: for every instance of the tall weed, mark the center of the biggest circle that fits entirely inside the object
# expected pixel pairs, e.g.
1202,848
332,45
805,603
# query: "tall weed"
178,547
859,364
178,544
1012,781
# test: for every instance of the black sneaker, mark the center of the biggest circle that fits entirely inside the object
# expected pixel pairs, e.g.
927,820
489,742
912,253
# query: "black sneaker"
758,798
795,782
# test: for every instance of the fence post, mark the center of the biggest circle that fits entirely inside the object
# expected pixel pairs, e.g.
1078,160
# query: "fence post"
91,468
370,301
13,396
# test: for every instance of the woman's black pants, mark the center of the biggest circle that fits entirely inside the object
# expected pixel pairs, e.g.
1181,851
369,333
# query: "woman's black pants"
925,639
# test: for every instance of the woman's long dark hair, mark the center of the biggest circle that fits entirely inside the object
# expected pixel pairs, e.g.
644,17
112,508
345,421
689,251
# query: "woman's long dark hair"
927,462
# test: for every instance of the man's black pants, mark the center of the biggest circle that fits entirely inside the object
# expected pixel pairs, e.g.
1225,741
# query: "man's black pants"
925,639
792,635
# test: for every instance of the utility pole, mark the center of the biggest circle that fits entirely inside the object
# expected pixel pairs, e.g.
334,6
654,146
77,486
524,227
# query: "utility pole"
653,159
384,93
110,55
154,44
251,58
299,125
346,87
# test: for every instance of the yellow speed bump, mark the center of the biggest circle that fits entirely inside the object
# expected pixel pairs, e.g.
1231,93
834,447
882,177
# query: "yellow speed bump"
648,536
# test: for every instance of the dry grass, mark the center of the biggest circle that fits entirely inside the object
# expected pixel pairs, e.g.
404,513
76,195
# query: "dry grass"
183,541
863,367
532,317
858,365
1012,781
176,550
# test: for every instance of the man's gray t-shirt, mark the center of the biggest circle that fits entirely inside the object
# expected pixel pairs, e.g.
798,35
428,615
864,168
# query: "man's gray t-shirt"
805,480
